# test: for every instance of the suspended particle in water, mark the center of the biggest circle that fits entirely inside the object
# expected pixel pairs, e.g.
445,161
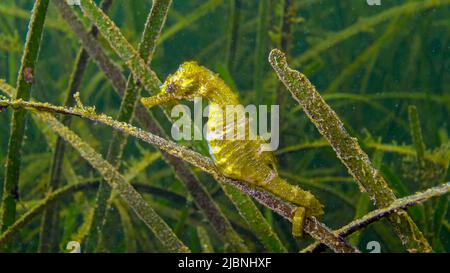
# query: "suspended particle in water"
28,75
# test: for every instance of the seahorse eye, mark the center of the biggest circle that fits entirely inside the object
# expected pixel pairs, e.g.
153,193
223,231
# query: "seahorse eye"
170,88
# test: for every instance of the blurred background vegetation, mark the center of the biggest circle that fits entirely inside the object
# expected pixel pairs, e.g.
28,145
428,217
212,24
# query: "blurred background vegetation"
369,62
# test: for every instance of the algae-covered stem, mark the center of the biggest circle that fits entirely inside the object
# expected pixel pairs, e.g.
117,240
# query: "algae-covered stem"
117,181
312,226
45,203
347,150
160,228
248,210
202,198
373,216
110,69
63,192
49,234
25,80
155,22
126,52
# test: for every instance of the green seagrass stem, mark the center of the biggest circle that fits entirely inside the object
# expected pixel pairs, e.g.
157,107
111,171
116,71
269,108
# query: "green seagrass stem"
312,226
348,150
118,183
202,198
151,83
373,216
416,133
25,80
152,30
49,234
108,172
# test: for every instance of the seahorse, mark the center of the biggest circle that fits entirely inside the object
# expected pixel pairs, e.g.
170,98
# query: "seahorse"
242,159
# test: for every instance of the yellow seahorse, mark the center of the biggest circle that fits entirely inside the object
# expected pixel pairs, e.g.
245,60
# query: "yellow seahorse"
237,158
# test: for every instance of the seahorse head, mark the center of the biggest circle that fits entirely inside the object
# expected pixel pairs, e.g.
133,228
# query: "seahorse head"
185,83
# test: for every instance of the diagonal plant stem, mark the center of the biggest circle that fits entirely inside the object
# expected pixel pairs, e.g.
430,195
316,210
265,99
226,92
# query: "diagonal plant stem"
110,174
45,203
92,47
376,215
371,144
188,20
65,191
202,198
198,192
365,24
25,79
347,150
16,12
394,27
150,81
205,242
118,183
398,204
152,30
69,172
48,239
312,226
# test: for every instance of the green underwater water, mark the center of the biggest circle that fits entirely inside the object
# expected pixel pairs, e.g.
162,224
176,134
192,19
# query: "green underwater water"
374,66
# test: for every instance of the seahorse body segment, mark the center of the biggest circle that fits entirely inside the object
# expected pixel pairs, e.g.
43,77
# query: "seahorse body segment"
236,155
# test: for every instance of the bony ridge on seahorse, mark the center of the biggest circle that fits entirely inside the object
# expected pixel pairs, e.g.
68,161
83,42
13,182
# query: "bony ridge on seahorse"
237,158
